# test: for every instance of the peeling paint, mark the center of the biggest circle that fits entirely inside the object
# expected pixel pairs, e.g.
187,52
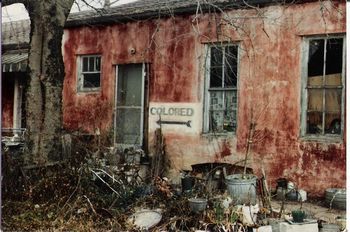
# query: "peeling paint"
269,87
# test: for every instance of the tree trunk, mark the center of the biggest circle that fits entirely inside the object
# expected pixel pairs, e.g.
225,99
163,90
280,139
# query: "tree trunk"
45,84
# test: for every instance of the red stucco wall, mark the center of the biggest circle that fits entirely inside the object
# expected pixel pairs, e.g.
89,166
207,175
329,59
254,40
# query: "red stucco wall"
269,86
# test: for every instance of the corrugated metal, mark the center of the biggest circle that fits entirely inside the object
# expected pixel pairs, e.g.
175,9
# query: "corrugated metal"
14,62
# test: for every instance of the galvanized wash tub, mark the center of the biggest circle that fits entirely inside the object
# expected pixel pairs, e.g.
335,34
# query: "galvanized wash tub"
335,198
242,190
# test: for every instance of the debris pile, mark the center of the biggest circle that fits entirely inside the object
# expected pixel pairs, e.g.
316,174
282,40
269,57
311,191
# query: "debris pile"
125,190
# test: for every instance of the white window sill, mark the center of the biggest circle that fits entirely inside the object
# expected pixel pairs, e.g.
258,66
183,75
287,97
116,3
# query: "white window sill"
322,139
218,135
91,90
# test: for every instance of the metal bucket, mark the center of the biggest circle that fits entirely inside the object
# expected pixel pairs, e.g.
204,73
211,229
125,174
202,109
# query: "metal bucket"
243,191
335,198
197,204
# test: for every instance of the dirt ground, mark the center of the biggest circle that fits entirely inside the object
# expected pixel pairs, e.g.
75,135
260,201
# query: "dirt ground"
314,208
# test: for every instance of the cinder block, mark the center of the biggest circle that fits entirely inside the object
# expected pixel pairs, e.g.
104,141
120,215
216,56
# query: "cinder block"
286,227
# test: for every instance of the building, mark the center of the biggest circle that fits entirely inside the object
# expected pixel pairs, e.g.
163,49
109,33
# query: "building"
205,72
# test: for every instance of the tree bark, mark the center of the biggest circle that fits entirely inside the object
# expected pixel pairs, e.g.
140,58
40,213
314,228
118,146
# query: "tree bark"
45,84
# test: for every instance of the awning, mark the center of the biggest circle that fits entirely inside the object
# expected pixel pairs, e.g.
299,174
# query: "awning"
14,61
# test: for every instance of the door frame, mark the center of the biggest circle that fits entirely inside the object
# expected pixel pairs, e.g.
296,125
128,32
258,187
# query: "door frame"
143,101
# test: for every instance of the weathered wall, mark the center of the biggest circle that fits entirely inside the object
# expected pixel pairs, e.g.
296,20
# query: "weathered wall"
269,86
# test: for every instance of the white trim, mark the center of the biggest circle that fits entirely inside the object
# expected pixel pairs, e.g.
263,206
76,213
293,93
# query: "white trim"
206,129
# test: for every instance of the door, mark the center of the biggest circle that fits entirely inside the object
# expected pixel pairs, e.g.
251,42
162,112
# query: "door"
129,105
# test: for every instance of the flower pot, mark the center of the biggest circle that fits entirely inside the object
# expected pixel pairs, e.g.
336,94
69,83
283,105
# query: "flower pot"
197,204
298,216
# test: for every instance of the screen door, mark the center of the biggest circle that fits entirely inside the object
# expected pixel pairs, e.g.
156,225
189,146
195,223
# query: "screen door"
129,104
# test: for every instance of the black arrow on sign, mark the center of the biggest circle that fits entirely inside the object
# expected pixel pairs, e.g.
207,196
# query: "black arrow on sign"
188,123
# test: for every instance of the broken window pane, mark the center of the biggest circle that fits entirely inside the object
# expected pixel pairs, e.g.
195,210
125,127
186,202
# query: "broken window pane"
316,58
333,123
334,56
314,122
315,100
91,80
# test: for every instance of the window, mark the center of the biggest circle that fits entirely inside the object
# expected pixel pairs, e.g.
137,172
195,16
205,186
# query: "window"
89,78
323,90
221,89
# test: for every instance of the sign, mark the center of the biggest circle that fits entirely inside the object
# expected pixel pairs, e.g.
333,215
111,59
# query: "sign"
171,111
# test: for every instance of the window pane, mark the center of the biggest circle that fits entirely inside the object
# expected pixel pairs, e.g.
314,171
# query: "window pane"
230,100
333,80
216,119
315,100
315,81
333,123
230,66
216,100
316,58
91,64
333,99
216,56
91,80
230,111
314,123
216,77
129,85
216,110
228,121
98,63
85,64
128,126
334,56
222,112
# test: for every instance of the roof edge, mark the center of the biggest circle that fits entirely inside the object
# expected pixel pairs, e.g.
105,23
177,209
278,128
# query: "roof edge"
97,19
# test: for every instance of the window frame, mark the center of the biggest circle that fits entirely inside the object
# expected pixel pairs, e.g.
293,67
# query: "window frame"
207,89
80,76
324,137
